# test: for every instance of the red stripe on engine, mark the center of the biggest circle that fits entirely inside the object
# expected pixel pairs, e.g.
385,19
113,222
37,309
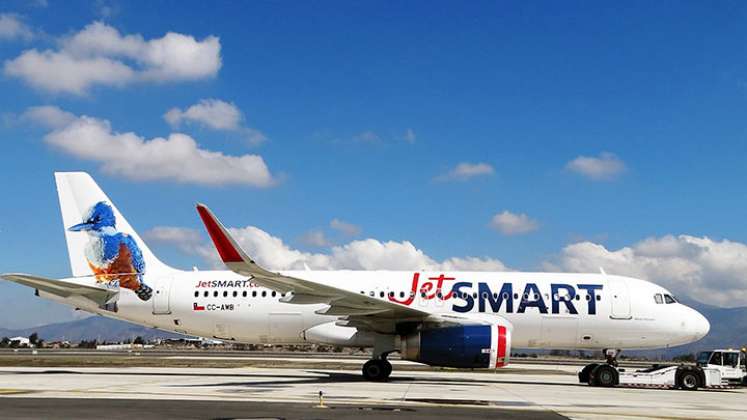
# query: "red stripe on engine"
499,362
226,250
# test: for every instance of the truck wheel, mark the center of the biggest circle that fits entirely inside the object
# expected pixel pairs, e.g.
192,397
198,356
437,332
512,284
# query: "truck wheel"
604,376
583,376
688,380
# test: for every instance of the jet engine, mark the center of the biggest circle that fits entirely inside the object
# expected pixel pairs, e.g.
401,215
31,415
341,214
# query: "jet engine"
463,346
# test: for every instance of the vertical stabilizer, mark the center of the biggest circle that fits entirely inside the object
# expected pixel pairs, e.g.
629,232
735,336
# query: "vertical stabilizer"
100,241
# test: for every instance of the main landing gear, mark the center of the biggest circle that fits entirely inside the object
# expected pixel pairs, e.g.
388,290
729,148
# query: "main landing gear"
377,370
601,374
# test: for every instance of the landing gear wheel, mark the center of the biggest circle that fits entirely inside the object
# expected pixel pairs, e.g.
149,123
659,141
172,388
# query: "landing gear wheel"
377,370
688,380
585,374
387,368
604,376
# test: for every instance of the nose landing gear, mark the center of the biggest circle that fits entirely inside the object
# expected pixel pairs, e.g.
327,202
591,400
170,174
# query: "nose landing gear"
601,374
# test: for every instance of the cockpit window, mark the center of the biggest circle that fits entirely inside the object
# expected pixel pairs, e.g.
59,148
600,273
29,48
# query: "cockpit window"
659,300
668,299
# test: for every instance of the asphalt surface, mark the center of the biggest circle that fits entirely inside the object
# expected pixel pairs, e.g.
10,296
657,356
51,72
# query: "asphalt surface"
129,409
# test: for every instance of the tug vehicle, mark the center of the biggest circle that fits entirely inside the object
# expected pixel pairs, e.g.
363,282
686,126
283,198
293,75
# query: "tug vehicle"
720,368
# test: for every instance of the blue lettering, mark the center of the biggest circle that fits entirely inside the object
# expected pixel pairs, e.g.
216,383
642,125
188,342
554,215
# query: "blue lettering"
565,298
496,301
532,291
592,296
469,301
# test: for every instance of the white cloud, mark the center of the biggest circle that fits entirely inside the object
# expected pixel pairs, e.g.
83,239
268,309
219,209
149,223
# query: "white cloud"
605,167
710,271
12,27
48,116
214,114
346,228
100,55
176,158
186,239
465,171
369,254
513,224
316,238
409,136
367,137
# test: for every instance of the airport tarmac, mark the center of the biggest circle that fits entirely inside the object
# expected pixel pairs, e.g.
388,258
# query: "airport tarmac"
70,392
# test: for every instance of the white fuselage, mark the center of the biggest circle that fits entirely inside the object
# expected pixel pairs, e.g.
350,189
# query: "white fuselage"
547,310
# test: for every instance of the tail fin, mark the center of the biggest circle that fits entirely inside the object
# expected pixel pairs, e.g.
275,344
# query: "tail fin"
87,209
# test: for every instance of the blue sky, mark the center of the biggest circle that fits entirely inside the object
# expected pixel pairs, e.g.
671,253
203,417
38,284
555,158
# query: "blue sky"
368,107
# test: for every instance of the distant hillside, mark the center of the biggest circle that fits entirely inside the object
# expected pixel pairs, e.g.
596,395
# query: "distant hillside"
95,327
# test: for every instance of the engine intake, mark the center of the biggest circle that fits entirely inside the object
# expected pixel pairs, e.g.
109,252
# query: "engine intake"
469,346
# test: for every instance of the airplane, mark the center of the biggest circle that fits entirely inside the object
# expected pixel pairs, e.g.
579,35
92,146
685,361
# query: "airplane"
439,318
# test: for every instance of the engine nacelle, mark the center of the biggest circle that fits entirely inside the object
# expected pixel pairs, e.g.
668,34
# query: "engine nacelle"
331,333
468,346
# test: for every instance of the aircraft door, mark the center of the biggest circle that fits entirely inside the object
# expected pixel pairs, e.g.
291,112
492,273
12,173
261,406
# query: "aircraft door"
162,297
620,298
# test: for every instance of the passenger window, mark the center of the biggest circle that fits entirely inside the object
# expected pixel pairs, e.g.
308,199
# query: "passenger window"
225,293
668,299
599,298
264,293
235,293
402,294
381,294
254,293
244,294
197,294
659,300
274,293
716,359
206,293
215,293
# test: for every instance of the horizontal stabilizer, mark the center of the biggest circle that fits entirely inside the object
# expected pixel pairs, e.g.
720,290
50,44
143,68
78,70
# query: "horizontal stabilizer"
63,288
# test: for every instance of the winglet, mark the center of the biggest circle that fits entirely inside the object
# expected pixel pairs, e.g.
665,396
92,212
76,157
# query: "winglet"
229,251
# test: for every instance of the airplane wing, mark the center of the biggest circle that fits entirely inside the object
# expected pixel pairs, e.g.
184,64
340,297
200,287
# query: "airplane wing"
356,310
63,288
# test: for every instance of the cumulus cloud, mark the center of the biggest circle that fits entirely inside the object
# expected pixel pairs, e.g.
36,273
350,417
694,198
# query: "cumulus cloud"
177,157
48,116
708,270
604,167
100,55
12,27
316,238
369,254
513,224
214,114
186,239
345,228
465,171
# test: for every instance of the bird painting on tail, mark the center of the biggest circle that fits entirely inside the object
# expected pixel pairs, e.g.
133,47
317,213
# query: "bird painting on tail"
113,256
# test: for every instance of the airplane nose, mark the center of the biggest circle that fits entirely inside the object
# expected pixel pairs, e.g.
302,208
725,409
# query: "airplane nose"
701,326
